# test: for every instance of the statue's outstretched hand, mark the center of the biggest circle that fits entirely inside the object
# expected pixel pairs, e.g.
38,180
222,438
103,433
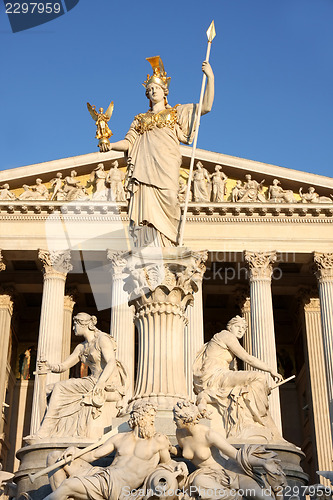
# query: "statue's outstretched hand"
207,69
43,366
276,377
69,454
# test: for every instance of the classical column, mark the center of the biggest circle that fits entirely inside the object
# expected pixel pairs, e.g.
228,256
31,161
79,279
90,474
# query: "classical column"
324,263
194,337
244,303
161,288
69,303
6,311
122,316
262,322
315,357
56,265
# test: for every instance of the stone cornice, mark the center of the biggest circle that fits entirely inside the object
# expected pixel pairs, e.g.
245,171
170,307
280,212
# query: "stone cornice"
197,212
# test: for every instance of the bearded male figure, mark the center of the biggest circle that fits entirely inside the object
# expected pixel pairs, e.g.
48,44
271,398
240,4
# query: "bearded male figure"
138,453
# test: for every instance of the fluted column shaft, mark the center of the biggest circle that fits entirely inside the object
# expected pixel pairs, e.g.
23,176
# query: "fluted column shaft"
69,304
324,263
50,348
161,374
262,320
161,286
315,353
6,311
122,317
194,338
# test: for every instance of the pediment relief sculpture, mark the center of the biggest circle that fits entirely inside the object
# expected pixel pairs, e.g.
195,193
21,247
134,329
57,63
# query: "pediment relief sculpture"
206,187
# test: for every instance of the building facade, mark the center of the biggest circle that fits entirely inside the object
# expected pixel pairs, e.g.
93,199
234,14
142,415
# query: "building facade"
268,231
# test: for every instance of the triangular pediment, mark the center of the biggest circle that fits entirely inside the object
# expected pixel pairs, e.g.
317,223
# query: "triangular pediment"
234,168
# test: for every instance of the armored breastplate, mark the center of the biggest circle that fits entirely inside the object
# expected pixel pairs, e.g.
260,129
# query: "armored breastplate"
147,121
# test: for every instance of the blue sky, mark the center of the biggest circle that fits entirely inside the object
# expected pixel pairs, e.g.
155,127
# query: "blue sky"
273,62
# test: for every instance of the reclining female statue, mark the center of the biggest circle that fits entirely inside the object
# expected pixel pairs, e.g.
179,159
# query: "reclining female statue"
241,397
75,401
217,477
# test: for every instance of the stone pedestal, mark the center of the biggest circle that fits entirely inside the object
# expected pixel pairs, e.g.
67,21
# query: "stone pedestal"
56,265
161,284
324,263
122,316
262,322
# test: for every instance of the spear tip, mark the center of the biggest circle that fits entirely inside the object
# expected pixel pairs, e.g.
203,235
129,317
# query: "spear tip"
211,33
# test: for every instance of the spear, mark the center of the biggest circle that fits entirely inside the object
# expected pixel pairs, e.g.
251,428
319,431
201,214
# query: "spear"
210,35
79,453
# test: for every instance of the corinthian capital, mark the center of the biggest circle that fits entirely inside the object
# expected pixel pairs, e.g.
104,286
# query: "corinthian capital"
6,298
260,264
58,261
117,260
324,264
2,264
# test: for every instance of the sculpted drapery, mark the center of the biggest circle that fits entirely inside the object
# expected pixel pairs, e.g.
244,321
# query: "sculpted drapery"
154,151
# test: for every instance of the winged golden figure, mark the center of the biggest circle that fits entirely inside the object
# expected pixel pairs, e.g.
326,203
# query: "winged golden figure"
103,132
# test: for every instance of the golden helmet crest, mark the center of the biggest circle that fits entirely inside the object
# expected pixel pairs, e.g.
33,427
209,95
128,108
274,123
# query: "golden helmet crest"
159,73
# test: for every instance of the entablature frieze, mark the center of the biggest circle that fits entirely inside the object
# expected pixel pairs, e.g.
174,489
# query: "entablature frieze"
203,212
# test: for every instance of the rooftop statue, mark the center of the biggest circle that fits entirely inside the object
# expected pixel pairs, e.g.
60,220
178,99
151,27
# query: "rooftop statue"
137,456
98,180
241,397
279,195
103,133
75,401
73,188
182,190
56,185
200,445
201,184
115,178
219,187
37,192
152,143
5,193
251,191
312,197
